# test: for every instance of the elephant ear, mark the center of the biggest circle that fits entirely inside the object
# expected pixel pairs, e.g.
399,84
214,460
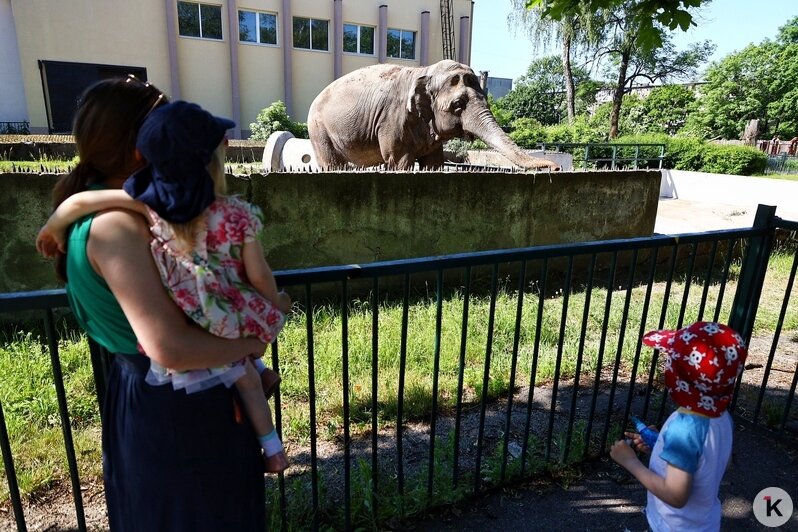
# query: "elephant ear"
419,101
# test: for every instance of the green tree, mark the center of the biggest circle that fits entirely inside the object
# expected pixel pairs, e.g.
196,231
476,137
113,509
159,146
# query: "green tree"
631,61
758,82
667,108
649,16
576,30
539,93
275,118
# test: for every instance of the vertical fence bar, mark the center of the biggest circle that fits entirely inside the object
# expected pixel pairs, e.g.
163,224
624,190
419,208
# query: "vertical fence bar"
587,155
558,362
749,286
486,376
637,155
661,155
619,351
600,356
788,402
662,317
614,157
400,468
58,377
641,332
435,369
278,423
776,334
345,393
533,370
752,275
513,366
11,474
460,376
579,355
725,277
375,464
707,280
314,465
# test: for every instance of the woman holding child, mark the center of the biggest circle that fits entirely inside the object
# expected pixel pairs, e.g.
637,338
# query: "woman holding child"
171,461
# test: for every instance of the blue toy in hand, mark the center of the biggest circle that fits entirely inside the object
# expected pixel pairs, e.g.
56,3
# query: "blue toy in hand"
648,434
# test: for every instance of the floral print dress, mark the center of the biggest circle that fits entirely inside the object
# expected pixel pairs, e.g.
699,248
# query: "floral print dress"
209,283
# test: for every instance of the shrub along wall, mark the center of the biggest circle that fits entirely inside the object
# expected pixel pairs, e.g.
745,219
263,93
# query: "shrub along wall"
320,219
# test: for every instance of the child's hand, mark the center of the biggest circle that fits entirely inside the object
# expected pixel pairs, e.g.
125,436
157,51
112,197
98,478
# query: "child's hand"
622,453
50,243
284,302
637,442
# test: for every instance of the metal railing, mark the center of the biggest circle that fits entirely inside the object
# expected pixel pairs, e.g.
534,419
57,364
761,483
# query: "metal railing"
14,128
782,164
611,156
553,384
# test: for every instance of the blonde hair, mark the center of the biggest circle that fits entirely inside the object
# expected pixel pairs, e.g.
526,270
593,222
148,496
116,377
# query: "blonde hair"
186,233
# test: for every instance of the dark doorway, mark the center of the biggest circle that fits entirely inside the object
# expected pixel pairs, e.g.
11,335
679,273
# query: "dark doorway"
63,83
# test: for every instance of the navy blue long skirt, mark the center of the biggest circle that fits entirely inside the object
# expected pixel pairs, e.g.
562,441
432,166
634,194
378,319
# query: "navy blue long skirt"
174,461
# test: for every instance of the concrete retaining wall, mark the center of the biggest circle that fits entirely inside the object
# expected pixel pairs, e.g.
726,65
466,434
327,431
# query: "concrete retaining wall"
318,219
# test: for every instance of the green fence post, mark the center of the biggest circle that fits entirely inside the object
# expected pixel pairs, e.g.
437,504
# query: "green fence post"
752,273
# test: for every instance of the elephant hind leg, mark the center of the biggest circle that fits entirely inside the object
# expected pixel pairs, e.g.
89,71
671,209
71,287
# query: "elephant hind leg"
326,154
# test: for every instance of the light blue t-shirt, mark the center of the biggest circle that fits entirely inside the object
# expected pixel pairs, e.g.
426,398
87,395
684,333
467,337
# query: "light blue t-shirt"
702,447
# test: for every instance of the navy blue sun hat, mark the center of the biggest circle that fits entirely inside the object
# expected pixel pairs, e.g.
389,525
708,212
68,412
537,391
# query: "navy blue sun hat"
177,140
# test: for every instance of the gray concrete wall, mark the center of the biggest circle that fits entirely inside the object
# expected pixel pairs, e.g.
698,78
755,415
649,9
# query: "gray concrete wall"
319,219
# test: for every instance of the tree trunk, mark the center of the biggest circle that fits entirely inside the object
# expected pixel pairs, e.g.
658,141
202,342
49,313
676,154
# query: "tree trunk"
569,77
617,98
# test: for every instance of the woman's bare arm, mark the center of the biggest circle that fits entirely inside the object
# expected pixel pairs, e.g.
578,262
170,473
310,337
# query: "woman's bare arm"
118,248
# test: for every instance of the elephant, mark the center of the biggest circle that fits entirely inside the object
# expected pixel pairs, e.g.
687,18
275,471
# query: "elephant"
395,115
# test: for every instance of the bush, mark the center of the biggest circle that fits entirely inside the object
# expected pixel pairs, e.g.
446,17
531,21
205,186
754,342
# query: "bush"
275,118
735,160
690,153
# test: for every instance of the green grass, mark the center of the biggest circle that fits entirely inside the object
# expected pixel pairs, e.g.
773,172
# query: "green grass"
29,400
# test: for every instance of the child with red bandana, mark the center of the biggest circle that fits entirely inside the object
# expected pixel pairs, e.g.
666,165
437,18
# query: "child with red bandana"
702,363
205,248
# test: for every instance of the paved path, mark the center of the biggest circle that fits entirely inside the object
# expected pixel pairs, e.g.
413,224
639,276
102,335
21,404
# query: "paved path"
605,497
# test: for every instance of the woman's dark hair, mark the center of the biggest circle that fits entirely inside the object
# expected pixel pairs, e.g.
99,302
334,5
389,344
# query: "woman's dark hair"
107,120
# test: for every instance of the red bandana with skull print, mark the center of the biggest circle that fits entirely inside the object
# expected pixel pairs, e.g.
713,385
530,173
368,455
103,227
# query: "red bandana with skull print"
702,362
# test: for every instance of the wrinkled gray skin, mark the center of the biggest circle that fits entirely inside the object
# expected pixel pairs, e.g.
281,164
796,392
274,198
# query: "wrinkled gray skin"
394,115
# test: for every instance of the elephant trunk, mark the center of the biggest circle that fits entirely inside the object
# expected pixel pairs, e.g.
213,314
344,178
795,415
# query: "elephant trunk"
480,122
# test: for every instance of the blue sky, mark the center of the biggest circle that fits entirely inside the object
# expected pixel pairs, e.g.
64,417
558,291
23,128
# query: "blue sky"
730,24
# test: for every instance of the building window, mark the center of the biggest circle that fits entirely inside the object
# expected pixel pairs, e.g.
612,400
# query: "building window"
199,20
359,39
257,27
401,44
310,33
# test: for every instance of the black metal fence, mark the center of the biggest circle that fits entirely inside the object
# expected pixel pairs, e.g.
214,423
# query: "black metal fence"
14,128
500,365
782,164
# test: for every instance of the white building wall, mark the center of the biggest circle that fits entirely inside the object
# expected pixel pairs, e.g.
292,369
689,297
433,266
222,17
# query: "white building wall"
12,102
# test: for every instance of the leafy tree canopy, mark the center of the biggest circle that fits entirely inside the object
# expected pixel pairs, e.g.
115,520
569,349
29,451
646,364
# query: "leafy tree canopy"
671,14
540,93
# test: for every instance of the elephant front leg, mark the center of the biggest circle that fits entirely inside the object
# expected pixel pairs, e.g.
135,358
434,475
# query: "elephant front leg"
432,160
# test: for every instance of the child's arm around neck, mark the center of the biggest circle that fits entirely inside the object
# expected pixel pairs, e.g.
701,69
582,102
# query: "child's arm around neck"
52,237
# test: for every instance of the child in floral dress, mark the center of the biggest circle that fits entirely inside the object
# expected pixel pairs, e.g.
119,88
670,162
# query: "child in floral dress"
205,248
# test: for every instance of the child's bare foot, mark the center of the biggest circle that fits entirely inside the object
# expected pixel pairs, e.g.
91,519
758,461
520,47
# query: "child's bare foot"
276,463
269,379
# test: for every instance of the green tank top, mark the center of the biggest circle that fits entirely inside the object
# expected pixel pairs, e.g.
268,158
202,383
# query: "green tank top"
91,300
